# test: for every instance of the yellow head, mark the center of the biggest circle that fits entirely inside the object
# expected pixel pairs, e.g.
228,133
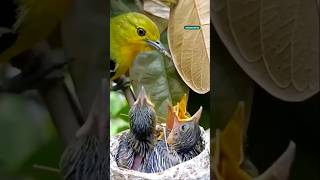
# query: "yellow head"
136,31
130,34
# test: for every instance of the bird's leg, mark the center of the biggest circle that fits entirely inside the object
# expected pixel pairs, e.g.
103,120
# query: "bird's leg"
123,83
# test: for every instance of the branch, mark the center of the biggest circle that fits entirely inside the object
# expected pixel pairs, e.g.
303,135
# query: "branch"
123,83
97,122
42,69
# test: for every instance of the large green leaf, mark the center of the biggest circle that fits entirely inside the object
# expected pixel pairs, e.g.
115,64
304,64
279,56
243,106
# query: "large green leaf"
160,79
118,111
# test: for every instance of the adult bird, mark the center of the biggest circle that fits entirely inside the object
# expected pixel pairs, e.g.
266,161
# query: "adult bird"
183,143
130,34
135,145
24,23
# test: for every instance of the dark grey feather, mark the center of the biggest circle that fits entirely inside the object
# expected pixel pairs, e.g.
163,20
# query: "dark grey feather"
161,158
86,159
140,140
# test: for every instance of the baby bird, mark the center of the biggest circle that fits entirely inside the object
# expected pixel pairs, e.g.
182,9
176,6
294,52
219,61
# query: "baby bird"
184,143
185,137
135,146
86,158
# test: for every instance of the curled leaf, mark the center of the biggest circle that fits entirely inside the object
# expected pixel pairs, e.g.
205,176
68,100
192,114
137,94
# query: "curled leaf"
275,42
191,48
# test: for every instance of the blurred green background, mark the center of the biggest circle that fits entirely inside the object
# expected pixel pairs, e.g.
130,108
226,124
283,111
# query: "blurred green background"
118,113
27,138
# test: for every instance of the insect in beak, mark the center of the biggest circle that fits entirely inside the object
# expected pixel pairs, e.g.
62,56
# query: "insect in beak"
159,46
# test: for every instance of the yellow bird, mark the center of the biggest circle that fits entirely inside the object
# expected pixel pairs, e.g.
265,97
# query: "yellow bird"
24,23
130,34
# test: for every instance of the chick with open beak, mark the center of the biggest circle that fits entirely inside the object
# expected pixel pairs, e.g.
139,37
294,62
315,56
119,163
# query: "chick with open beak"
185,137
135,146
184,143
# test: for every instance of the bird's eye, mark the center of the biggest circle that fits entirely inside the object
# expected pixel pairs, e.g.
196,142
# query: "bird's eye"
141,32
184,127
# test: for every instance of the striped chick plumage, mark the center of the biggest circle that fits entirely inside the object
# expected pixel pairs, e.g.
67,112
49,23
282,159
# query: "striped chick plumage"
135,145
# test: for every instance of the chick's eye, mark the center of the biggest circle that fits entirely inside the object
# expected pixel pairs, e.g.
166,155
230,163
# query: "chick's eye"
141,32
184,127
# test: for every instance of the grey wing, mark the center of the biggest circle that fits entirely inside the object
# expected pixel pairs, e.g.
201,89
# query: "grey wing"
125,155
85,159
161,159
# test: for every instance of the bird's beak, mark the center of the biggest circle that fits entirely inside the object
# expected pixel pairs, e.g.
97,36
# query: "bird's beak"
196,117
176,123
170,138
170,118
159,46
142,97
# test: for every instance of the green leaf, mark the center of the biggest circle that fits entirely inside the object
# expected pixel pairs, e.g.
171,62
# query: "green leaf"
119,113
160,79
118,125
117,103
122,6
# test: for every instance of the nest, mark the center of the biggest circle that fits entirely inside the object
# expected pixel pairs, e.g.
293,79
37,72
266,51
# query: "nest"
196,168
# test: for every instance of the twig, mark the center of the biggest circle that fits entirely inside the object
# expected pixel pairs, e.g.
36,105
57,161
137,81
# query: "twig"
128,93
42,68
58,103
46,168
31,78
123,83
97,122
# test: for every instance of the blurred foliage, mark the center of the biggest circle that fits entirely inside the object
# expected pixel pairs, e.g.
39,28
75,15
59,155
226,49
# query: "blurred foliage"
122,6
27,137
119,109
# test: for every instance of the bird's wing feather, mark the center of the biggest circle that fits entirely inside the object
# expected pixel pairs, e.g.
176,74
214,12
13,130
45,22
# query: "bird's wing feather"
161,159
125,155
